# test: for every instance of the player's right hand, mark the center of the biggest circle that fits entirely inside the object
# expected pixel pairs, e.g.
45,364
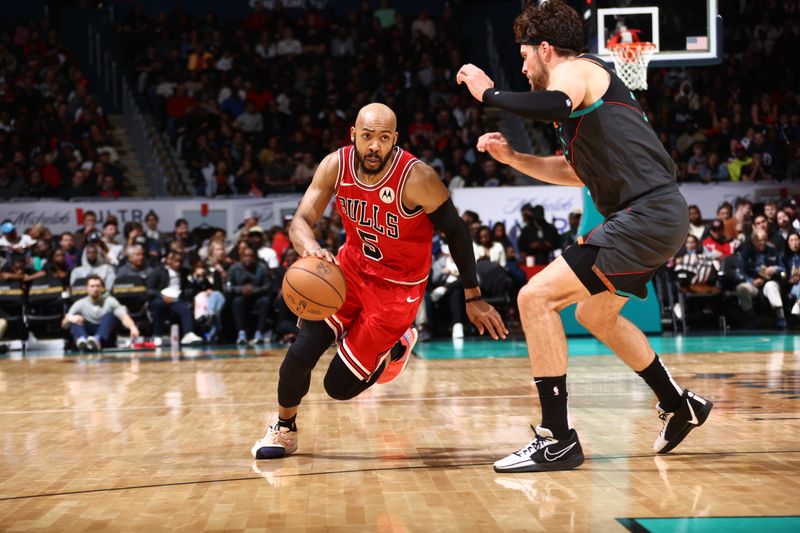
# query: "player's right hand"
322,253
497,146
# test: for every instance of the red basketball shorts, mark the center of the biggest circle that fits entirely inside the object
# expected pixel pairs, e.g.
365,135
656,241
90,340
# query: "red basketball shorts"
374,316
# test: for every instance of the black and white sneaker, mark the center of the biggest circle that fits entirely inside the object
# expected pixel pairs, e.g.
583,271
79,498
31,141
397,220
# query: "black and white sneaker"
691,414
544,453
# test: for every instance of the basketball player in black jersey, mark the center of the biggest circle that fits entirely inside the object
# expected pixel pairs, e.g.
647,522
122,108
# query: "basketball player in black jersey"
610,147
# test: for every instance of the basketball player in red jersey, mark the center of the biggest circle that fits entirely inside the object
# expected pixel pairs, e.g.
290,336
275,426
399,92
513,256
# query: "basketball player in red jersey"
390,203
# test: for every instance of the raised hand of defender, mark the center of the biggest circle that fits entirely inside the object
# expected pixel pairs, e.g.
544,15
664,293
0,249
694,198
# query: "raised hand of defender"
497,146
486,318
475,79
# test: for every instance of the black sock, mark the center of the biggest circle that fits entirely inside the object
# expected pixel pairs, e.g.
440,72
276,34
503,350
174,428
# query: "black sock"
288,423
658,378
553,398
397,351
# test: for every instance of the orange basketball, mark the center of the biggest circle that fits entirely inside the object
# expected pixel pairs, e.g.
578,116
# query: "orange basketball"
313,288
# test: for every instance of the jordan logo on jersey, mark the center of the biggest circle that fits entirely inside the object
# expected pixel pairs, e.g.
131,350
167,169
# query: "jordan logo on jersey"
360,213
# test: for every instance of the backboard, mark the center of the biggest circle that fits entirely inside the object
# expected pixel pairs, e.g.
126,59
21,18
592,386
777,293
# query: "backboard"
685,32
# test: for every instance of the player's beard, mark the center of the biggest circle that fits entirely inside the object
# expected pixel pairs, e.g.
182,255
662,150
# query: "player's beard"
538,77
362,158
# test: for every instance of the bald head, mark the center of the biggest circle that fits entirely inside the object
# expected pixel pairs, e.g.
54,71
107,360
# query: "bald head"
374,136
376,117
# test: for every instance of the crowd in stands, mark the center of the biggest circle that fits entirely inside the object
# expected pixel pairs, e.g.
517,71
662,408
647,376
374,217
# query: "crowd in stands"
751,254
213,289
216,287
738,121
253,105
54,139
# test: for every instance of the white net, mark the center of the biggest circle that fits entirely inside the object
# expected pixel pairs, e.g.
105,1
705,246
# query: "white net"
631,60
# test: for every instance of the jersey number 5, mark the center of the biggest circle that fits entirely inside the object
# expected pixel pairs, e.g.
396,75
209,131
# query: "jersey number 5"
370,246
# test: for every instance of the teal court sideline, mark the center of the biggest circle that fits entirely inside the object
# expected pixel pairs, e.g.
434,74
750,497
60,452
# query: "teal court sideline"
470,348
732,524
475,348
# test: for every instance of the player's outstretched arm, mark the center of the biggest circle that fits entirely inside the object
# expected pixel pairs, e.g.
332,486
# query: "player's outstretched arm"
553,169
425,189
314,202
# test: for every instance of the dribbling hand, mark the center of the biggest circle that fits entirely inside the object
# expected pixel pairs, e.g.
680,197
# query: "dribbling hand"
497,146
322,253
486,318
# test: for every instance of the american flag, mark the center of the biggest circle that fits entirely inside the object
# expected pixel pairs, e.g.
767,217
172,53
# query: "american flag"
697,43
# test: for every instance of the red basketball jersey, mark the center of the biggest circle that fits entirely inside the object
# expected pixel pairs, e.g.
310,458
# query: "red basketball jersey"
384,239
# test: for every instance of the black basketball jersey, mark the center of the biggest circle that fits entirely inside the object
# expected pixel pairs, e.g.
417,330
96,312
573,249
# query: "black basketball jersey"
613,148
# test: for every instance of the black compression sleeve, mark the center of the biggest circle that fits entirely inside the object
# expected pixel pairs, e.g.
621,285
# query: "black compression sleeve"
446,220
547,106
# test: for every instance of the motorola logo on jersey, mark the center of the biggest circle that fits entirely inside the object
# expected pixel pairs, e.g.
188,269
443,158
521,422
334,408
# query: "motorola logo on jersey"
386,195
360,213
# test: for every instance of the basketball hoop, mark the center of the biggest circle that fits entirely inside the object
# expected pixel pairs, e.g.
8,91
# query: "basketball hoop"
631,60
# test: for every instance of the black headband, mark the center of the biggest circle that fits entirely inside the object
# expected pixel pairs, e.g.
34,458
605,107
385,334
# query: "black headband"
535,41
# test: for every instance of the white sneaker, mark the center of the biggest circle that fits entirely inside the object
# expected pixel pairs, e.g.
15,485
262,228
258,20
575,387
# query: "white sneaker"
796,308
277,442
458,330
81,344
192,338
158,341
93,344
437,293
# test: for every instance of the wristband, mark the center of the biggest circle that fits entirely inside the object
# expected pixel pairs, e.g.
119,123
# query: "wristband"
473,299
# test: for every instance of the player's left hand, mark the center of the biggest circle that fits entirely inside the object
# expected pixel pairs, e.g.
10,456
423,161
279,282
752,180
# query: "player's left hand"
477,81
486,318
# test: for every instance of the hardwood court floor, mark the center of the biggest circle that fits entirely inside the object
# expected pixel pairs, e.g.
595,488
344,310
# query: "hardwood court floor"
139,444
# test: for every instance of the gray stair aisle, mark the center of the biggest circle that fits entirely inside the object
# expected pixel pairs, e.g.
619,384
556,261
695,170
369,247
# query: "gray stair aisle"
134,169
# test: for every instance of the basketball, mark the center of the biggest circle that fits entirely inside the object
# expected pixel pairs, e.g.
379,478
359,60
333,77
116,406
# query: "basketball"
313,288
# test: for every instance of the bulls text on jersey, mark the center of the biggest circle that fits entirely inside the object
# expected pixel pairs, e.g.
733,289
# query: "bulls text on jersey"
359,212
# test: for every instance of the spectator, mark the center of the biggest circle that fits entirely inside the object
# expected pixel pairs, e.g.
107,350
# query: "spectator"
791,263
446,285
696,226
698,168
265,252
135,266
94,262
784,228
170,295
716,245
249,284
700,268
16,269
89,227
538,239
108,188
57,268
761,266
736,167
93,320
251,121
423,25
11,241
66,242
208,300
289,45
152,231
12,184
113,248
571,235
386,14
486,248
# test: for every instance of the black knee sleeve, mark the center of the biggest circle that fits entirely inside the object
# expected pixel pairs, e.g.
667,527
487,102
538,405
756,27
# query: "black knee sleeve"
301,358
342,384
